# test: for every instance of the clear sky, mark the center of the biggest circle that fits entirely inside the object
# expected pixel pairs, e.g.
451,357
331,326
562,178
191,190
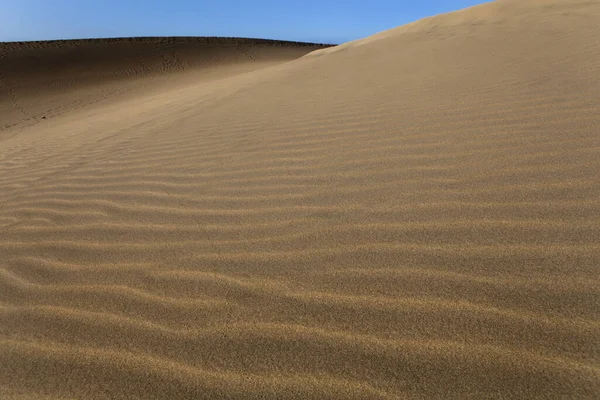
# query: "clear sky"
334,21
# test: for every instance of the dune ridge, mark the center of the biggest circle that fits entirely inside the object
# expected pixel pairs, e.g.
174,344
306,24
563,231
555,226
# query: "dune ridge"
41,79
414,215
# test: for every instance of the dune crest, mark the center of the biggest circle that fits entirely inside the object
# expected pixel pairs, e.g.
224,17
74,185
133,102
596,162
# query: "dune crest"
412,216
48,78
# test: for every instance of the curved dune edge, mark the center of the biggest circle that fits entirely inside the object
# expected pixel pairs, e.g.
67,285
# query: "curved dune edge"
411,216
45,79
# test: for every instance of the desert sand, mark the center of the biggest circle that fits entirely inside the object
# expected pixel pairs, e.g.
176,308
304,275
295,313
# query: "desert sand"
415,215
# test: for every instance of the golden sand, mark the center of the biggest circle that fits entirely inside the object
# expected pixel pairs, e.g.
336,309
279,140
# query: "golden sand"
415,215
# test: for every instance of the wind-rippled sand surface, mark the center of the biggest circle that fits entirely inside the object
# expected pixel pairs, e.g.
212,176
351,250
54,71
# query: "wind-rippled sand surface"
411,216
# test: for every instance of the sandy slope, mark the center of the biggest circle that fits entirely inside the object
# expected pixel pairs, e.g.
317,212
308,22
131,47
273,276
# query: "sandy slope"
415,215
45,79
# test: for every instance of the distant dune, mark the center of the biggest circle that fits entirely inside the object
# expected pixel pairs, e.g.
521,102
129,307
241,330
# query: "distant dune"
47,78
415,215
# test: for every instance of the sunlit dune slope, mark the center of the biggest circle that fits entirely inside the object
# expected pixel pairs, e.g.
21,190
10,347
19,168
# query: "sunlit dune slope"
411,216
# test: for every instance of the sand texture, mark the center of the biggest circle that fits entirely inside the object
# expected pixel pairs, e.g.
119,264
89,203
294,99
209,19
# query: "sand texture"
415,215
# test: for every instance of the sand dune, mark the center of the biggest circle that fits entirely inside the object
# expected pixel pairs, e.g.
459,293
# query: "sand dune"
44,79
414,215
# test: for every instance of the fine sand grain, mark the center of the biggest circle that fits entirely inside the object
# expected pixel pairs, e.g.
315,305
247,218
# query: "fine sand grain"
414,215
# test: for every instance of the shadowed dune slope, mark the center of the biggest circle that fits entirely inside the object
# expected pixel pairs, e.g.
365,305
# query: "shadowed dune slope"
411,216
43,79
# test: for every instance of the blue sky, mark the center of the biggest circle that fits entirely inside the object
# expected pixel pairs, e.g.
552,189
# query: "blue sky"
302,20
